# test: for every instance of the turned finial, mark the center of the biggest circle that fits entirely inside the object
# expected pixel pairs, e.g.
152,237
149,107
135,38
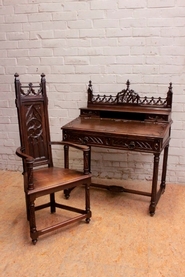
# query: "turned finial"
169,96
90,93
170,87
90,87
128,84
90,84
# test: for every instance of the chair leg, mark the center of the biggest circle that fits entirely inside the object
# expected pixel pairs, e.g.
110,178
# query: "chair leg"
67,192
33,230
87,202
27,207
52,202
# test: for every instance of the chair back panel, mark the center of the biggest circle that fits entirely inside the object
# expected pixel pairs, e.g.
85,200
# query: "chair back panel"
32,109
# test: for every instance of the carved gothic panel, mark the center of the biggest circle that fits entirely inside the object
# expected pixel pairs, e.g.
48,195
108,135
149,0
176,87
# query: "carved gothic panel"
35,131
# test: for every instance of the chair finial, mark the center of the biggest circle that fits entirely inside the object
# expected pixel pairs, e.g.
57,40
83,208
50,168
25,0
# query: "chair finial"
90,84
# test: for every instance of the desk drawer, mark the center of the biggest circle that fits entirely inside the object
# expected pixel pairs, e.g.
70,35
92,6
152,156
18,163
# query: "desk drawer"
140,144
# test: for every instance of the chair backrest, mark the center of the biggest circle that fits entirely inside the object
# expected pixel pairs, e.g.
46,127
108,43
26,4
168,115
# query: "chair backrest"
32,108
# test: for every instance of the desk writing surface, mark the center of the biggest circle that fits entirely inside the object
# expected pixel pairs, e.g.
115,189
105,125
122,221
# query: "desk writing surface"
119,126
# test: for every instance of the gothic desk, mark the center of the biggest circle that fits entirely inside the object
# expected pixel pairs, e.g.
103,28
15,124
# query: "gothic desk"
126,122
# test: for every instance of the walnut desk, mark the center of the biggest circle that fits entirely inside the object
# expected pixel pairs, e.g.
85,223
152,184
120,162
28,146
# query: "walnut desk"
129,122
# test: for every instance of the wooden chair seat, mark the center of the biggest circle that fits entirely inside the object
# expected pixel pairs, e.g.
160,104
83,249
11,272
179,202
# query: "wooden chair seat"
55,179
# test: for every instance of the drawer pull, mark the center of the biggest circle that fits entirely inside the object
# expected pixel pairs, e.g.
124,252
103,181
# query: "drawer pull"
131,145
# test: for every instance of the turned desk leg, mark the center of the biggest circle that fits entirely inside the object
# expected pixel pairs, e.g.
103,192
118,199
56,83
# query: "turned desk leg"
66,165
163,178
89,161
154,184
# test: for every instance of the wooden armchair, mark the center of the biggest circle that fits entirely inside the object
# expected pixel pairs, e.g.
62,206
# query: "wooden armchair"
40,176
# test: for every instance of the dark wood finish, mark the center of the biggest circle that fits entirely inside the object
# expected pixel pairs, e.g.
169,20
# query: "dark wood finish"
40,176
126,121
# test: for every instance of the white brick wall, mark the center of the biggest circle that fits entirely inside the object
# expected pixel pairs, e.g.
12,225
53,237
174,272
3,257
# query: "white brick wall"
105,41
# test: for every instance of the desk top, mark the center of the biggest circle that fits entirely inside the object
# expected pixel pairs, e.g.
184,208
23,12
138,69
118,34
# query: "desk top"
122,127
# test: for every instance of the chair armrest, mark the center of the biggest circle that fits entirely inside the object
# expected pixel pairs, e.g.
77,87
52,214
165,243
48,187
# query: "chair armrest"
77,146
19,153
84,148
28,168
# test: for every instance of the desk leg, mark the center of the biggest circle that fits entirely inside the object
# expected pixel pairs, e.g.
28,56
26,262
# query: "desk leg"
163,178
154,185
90,159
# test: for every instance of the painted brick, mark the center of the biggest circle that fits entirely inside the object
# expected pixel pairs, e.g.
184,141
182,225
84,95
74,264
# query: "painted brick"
76,5
93,14
103,5
28,8
79,24
134,4
39,17
107,42
161,4
16,19
49,7
72,15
